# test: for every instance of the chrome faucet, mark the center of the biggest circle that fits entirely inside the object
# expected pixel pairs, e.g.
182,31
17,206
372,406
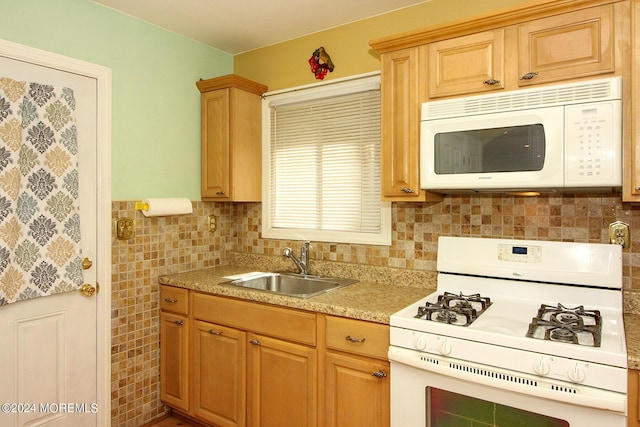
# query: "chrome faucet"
301,263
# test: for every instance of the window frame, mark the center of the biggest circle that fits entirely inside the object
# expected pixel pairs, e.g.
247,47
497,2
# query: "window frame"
344,86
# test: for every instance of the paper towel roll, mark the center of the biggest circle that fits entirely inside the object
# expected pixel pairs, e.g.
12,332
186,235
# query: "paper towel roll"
167,207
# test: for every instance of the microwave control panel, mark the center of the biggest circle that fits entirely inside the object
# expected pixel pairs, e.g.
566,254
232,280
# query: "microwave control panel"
593,144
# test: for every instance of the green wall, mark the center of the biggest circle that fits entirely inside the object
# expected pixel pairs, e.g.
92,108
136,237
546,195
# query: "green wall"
156,105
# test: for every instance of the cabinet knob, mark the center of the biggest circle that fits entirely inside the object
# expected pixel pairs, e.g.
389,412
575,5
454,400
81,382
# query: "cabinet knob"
529,76
354,339
214,332
179,322
171,300
254,342
491,82
379,374
407,190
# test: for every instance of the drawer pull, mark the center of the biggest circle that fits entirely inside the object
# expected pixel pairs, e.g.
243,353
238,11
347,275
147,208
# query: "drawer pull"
354,339
491,82
214,332
529,76
171,300
219,193
254,342
407,190
179,322
379,374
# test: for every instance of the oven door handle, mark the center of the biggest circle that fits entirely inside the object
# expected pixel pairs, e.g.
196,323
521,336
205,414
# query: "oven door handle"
510,380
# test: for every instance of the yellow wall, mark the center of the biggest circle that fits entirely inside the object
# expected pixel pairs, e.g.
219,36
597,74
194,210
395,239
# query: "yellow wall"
285,65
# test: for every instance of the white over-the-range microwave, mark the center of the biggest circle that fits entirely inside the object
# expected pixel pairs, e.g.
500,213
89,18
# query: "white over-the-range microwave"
565,137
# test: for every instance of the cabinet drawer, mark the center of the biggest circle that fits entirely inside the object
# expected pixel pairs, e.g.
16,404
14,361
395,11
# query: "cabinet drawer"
358,337
174,299
288,324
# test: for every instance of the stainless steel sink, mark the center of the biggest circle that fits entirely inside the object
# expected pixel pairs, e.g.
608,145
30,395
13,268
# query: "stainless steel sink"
294,285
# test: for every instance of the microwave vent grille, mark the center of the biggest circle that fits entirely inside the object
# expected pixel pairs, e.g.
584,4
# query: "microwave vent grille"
549,96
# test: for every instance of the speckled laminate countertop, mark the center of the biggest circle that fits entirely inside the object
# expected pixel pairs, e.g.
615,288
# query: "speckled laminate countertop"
364,300
370,301
632,333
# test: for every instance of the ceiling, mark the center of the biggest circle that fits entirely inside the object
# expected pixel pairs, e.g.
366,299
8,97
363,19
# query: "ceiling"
237,26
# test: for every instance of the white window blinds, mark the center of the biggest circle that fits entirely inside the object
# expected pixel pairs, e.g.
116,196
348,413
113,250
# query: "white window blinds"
323,169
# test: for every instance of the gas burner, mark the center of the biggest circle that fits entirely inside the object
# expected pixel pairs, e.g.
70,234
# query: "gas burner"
570,325
455,309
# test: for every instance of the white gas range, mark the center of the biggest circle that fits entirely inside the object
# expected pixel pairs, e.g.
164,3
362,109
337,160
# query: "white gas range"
532,330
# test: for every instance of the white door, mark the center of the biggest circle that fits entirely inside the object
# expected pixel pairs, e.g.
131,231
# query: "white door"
51,347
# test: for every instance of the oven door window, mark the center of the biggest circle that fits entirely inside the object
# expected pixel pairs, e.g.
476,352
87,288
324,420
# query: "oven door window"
502,149
448,409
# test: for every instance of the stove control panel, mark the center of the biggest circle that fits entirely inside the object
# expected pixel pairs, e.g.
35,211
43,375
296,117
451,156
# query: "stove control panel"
520,253
458,351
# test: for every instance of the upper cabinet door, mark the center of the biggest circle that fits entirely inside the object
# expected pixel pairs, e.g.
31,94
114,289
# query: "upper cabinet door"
216,151
467,64
400,124
566,46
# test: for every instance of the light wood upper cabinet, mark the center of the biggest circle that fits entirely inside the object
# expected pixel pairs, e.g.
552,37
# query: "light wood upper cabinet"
566,46
231,139
401,127
631,155
467,64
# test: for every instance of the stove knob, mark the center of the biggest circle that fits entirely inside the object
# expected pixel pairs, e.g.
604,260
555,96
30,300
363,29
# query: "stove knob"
444,348
420,343
576,374
541,367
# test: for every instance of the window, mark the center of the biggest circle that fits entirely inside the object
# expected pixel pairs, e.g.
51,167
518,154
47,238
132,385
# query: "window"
321,167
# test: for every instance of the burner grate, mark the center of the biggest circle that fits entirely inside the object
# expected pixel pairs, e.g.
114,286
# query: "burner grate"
570,325
455,309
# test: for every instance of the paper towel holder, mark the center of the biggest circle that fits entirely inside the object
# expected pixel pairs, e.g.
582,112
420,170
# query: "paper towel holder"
142,206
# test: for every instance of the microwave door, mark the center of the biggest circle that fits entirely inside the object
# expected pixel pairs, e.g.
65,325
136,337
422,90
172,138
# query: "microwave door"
512,150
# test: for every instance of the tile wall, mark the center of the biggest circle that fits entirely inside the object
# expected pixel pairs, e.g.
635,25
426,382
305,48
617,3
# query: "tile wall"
174,244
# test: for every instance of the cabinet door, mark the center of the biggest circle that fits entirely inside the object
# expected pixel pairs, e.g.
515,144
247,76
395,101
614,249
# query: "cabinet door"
215,145
174,365
468,64
571,45
356,391
633,400
218,374
400,124
283,383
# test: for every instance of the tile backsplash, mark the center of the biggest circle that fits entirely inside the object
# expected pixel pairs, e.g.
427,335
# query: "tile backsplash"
174,244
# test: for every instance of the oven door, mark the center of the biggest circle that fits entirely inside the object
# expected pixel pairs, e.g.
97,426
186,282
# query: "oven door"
475,395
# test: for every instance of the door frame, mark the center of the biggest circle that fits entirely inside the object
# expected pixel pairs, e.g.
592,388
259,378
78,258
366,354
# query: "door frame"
102,75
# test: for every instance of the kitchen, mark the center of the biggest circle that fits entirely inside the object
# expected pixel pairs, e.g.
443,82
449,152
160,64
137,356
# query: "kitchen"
137,263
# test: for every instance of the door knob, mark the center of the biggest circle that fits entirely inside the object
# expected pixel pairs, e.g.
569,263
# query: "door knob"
87,290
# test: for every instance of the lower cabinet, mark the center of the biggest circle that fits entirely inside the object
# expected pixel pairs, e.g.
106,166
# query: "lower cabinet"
356,382
282,378
633,399
356,391
257,365
218,374
174,347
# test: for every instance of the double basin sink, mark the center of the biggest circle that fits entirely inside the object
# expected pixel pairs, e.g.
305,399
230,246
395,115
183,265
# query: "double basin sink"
290,284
